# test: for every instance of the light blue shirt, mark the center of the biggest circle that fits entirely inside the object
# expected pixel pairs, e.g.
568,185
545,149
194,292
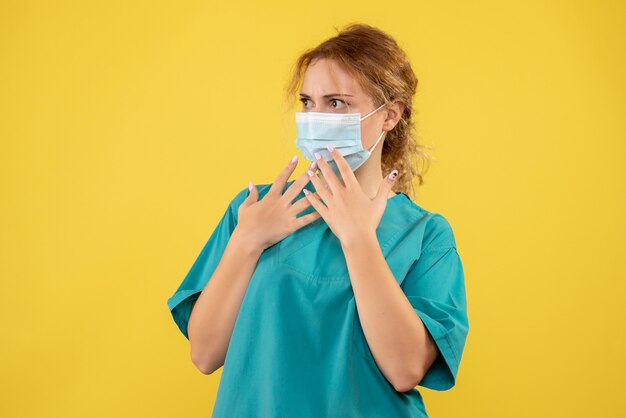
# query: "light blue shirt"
298,348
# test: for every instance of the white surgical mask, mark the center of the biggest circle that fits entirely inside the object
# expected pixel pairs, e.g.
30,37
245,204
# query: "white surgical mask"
317,130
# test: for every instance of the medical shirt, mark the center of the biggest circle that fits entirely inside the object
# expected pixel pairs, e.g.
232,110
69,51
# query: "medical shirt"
298,348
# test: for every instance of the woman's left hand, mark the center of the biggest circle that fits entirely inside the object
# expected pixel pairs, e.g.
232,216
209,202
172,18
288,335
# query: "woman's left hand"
348,211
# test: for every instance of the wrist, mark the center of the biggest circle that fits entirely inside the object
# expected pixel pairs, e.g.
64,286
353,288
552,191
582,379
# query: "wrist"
358,240
245,242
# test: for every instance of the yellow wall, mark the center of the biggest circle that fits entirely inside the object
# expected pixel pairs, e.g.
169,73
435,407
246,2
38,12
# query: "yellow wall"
127,126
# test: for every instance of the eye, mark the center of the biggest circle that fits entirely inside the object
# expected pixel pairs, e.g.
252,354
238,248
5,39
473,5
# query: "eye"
335,101
304,100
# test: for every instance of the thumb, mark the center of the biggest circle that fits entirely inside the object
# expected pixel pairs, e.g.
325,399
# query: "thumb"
386,185
252,196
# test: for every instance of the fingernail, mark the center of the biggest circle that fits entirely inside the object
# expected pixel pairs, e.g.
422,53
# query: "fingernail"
294,159
313,166
330,148
310,173
317,156
306,191
393,174
250,186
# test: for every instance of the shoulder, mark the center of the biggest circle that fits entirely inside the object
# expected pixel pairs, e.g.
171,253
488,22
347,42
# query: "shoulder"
438,233
433,228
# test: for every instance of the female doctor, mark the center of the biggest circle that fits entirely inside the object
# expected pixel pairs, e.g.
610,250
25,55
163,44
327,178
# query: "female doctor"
331,295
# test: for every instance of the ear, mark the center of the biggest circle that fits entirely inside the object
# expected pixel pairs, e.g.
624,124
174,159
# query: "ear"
395,110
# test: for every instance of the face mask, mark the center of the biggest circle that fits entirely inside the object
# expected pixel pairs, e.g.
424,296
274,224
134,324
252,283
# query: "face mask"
317,130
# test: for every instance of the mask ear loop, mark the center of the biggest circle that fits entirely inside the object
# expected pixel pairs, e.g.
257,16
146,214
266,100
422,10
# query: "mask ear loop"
377,141
373,111
383,133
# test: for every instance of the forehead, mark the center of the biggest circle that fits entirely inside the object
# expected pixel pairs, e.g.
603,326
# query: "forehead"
325,76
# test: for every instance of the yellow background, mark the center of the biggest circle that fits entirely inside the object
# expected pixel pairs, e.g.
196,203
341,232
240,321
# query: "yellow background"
127,126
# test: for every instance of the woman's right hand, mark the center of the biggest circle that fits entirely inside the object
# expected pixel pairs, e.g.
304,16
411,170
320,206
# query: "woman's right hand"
263,223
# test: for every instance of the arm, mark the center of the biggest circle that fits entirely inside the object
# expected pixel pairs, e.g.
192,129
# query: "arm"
398,340
206,304
215,311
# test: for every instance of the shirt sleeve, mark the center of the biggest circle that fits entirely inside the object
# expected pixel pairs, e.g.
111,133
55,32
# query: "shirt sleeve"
202,269
435,287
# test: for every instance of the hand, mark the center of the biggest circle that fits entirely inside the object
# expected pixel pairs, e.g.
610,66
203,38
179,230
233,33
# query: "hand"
347,210
263,223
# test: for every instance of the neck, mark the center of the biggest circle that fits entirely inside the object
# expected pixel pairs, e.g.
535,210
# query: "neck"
370,175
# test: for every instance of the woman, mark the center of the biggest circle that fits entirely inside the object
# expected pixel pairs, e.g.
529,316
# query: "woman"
335,301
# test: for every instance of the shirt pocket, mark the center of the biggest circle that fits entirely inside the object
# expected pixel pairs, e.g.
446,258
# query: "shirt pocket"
315,254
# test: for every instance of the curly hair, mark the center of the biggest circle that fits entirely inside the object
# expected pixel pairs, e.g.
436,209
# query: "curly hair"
384,72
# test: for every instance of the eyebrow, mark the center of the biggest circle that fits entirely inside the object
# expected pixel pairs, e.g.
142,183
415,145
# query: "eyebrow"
328,95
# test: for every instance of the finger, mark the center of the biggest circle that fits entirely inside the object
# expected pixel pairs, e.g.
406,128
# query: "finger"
316,202
302,204
281,180
329,175
385,186
298,184
306,219
324,182
299,206
252,196
322,191
347,175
